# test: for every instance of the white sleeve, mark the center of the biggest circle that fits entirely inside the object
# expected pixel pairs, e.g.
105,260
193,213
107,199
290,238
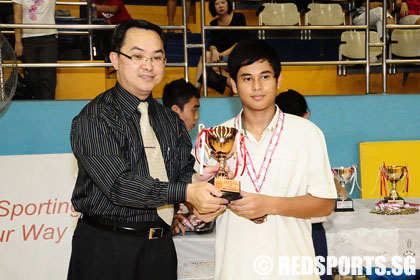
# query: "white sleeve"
321,180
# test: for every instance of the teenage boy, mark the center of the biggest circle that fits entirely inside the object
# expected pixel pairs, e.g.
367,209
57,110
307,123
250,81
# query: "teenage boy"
184,99
288,178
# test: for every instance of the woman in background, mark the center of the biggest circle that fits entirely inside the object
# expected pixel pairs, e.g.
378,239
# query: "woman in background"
221,43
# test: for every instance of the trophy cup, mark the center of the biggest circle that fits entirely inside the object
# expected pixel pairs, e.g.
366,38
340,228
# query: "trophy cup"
394,174
394,204
221,140
343,175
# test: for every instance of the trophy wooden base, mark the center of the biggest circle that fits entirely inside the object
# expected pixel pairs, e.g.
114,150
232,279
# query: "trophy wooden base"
343,205
399,200
230,189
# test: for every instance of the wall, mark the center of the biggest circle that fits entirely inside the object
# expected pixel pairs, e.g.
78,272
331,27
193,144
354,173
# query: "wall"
29,127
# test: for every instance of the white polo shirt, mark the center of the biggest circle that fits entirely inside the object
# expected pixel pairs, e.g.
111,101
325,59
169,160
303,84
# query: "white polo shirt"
299,166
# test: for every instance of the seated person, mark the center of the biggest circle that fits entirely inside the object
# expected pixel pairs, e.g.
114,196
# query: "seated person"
375,15
184,99
113,12
409,11
221,43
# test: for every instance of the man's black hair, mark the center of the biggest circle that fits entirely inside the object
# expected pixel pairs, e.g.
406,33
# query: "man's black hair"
249,51
212,9
118,36
292,102
179,92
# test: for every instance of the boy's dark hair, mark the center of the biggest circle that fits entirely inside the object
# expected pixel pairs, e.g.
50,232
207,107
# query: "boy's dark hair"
249,51
292,102
212,9
179,92
118,36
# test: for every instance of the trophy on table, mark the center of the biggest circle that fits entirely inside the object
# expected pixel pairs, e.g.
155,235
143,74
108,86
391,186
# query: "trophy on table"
343,175
394,204
223,142
394,174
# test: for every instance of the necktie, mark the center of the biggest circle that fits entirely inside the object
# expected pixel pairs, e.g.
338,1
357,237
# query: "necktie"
155,161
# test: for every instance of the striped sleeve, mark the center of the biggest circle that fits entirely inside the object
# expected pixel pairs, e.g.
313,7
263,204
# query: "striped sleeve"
99,149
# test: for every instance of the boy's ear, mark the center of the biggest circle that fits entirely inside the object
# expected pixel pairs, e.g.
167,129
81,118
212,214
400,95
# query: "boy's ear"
176,108
233,84
279,81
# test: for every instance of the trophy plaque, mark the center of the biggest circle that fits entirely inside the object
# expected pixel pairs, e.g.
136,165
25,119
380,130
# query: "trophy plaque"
222,142
394,174
343,175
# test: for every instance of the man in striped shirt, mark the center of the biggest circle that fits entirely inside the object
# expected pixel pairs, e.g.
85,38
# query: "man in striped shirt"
120,234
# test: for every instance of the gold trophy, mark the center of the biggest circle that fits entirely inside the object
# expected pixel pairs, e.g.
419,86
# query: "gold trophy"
394,174
394,204
221,140
343,175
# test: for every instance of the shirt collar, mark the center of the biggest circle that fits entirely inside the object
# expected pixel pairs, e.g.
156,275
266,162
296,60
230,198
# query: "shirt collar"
270,127
128,101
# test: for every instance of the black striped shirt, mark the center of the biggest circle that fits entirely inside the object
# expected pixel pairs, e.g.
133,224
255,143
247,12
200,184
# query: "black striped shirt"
113,180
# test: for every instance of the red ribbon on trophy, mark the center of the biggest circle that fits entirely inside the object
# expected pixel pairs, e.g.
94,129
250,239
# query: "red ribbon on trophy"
385,177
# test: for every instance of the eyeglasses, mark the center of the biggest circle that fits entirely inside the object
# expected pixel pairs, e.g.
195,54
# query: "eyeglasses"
138,58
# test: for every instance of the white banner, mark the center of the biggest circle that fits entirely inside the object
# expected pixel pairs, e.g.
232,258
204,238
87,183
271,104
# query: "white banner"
37,219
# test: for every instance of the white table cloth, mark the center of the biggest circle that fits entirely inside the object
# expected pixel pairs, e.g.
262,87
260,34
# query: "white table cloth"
357,233
195,253
361,233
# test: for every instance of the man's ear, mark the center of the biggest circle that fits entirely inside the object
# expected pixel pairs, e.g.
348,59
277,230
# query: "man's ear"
306,115
113,56
279,81
234,88
176,109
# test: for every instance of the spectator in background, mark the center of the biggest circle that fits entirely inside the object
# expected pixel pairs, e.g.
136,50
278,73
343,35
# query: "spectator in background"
292,102
221,43
184,99
113,12
37,45
375,19
409,11
171,10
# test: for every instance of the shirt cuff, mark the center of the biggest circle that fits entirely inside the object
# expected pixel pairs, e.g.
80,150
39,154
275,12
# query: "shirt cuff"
177,192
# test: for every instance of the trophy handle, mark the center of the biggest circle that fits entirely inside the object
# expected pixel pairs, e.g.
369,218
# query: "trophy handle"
406,179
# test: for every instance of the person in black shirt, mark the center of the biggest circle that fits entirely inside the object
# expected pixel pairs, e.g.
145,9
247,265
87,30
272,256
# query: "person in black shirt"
221,43
120,234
